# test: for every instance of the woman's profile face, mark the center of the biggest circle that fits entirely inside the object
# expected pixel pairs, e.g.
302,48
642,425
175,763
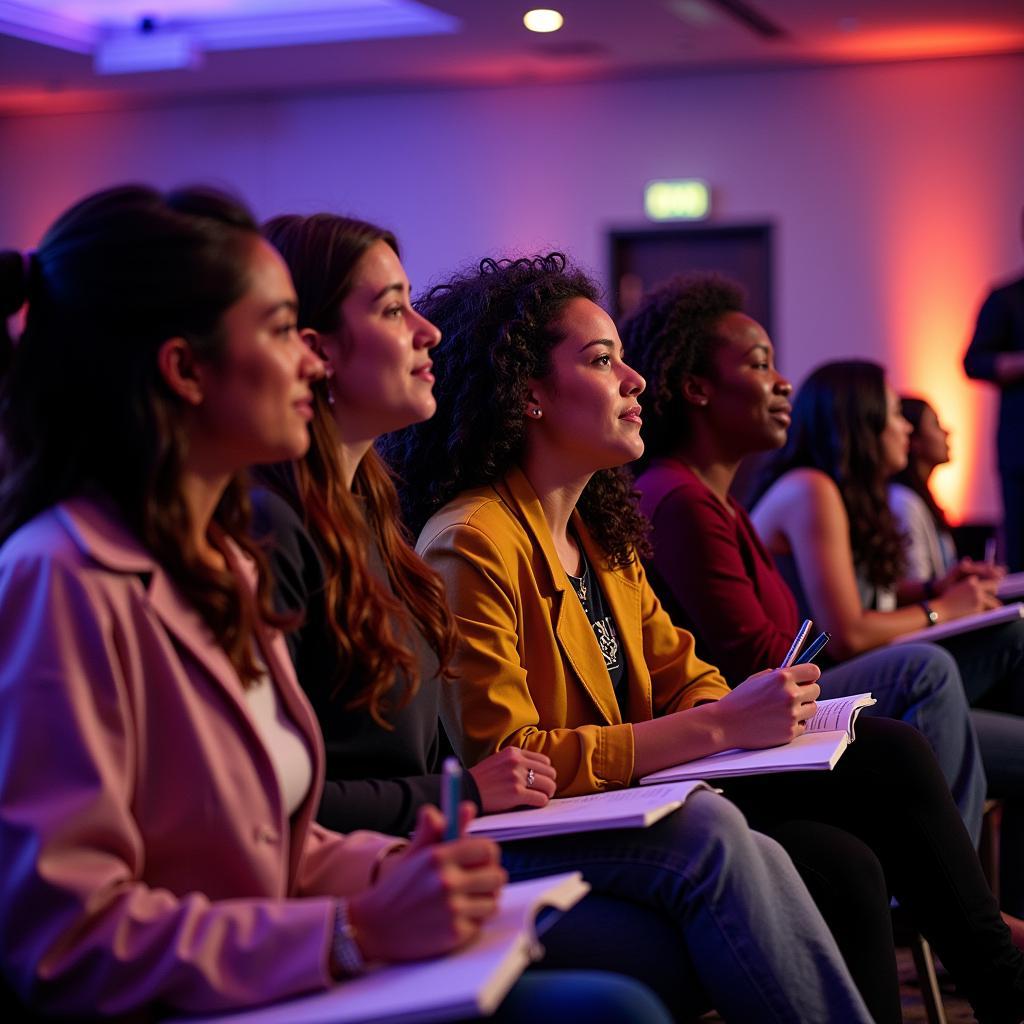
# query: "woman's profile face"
929,443
380,355
894,440
747,399
590,414
257,403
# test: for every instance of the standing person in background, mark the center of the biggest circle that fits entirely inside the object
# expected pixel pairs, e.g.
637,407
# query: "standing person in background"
715,398
160,765
996,354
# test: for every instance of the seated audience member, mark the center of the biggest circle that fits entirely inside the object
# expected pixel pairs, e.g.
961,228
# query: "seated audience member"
931,556
160,764
374,655
824,515
928,543
565,650
713,398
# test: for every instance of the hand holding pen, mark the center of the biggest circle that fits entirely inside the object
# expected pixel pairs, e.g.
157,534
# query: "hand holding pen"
436,893
772,707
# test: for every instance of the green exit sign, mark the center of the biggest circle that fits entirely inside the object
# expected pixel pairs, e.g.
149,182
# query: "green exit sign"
678,199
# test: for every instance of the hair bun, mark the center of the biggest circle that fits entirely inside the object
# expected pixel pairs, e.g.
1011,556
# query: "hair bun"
13,281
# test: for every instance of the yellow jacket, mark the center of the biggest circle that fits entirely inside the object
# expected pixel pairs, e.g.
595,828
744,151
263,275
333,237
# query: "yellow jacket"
529,669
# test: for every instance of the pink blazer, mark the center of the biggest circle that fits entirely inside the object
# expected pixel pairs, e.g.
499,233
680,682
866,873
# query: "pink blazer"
146,853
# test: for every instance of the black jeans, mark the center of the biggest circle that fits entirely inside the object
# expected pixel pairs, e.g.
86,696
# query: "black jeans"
881,822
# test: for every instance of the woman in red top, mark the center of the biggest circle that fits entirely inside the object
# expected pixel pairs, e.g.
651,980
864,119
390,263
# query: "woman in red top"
717,398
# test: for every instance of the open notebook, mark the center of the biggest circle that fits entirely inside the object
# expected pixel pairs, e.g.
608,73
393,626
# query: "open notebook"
468,983
828,734
965,624
620,808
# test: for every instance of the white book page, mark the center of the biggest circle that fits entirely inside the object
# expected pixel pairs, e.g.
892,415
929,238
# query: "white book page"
837,714
608,806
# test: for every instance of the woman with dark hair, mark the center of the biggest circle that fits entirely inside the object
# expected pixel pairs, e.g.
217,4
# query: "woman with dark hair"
928,542
564,648
161,766
376,636
931,556
376,668
714,399
823,511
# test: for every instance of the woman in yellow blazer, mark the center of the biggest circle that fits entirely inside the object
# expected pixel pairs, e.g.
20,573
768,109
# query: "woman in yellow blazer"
517,487
555,691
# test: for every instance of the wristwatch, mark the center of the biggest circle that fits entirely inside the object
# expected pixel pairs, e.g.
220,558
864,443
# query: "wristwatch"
933,615
346,956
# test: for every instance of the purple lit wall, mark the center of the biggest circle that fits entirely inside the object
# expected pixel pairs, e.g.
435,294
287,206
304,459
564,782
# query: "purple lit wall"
895,189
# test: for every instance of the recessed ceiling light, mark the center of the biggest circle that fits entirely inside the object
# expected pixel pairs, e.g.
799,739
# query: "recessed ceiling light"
543,20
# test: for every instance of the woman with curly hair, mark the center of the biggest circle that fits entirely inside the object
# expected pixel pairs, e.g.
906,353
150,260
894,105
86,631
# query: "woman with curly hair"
713,399
377,642
565,649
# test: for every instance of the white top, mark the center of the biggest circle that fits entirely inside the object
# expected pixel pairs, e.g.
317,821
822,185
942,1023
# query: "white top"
929,552
292,762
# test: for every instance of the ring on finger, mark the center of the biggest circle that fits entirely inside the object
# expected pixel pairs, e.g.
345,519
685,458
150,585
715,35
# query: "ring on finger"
530,776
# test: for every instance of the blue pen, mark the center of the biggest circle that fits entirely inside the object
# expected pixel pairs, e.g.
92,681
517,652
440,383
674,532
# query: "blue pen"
814,650
798,642
451,786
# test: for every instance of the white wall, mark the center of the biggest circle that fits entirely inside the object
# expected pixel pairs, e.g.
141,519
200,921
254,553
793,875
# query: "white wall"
895,189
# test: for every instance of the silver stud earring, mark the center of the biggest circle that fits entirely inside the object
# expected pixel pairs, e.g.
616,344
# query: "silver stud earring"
535,412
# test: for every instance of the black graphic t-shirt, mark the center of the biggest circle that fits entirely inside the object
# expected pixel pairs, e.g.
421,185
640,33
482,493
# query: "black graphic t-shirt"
588,591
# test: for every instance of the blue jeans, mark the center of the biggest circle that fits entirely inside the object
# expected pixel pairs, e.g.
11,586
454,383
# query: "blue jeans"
921,685
747,928
559,997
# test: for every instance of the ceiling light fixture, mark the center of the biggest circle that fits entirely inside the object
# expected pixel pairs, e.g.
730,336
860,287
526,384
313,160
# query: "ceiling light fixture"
543,20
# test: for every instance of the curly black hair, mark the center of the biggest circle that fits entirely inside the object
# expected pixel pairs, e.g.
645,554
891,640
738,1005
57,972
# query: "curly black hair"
671,333
499,323
839,414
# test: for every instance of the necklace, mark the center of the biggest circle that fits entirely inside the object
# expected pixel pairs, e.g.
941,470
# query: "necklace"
581,584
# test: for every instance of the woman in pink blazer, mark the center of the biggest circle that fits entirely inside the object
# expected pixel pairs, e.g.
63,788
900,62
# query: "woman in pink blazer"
159,765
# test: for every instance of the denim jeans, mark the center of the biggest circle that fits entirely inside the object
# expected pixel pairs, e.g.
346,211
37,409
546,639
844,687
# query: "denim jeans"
748,929
921,685
559,997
